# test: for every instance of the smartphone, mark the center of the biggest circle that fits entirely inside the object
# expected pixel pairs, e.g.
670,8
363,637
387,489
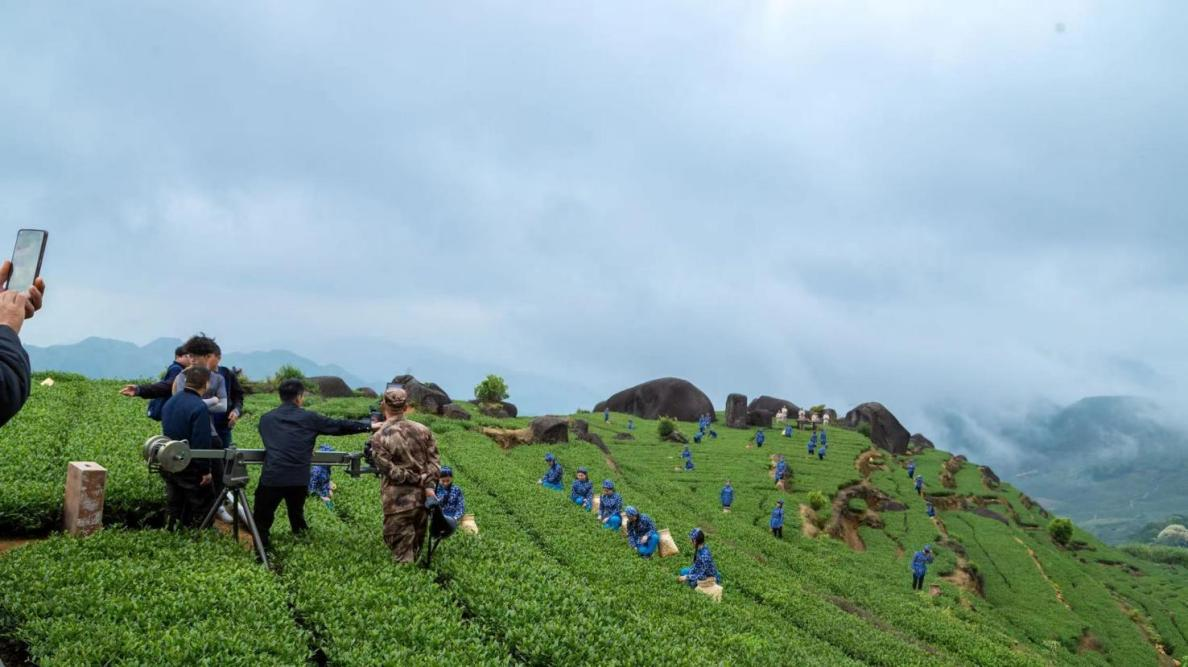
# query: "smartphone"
26,259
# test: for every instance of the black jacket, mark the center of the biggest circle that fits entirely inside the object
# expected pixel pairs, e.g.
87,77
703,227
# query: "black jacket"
289,434
14,374
234,398
186,417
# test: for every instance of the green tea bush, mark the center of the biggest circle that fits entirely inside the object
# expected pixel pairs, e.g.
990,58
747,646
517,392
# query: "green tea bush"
1060,530
818,500
492,389
665,426
864,429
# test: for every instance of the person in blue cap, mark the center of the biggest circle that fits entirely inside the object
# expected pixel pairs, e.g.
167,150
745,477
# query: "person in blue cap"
609,506
581,492
787,430
630,424
727,496
821,451
759,438
552,477
920,484
703,563
911,468
449,495
777,520
319,480
931,511
713,434
812,444
688,456
920,567
781,469
606,415
697,437
641,533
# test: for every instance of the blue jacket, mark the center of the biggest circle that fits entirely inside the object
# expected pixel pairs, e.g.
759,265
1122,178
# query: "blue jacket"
777,517
920,563
727,495
319,477
155,405
553,474
824,438
919,483
685,453
610,505
788,431
781,470
186,417
703,567
759,437
911,470
636,531
453,505
584,490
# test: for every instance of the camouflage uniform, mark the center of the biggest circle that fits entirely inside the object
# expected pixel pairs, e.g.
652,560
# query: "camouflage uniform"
405,454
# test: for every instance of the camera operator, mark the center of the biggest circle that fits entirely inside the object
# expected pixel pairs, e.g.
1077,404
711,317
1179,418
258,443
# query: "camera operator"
289,433
405,454
189,493
15,308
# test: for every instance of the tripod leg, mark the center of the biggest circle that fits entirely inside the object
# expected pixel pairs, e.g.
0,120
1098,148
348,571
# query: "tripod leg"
241,499
235,515
210,514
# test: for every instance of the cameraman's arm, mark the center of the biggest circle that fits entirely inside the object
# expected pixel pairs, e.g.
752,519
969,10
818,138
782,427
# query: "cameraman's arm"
327,426
218,403
14,374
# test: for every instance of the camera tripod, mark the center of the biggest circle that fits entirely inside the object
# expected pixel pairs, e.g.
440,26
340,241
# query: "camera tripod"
235,479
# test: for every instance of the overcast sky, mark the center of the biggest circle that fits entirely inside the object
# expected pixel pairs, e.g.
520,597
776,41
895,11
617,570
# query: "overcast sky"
923,203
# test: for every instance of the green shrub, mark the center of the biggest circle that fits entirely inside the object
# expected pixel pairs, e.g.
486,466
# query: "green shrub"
665,426
1060,530
864,428
287,372
818,500
491,390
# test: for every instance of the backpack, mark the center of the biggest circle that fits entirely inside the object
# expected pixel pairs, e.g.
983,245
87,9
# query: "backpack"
155,407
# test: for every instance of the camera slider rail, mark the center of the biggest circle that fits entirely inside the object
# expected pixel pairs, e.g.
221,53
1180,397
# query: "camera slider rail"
163,453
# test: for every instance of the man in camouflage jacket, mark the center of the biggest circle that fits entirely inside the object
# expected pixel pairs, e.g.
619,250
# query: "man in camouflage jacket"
405,455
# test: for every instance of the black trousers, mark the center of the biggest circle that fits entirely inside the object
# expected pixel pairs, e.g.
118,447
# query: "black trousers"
268,498
778,532
917,582
186,499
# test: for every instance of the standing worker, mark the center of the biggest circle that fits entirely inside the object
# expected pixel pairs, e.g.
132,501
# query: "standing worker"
787,430
405,454
759,438
581,492
289,433
630,424
777,520
703,562
911,468
449,495
609,506
781,469
552,476
931,511
641,533
727,496
812,444
920,484
606,414
821,451
688,456
920,567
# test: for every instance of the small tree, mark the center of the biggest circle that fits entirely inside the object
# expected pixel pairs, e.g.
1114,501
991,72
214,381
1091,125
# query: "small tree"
287,372
665,426
1061,530
817,409
491,390
817,500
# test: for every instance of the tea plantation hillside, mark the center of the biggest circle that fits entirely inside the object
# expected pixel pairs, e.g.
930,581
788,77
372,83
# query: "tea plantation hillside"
542,584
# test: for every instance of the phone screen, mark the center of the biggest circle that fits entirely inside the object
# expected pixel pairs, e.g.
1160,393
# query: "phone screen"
26,259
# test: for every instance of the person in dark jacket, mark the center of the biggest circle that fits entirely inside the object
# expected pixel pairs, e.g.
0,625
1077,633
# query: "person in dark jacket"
181,361
288,433
189,493
15,308
225,421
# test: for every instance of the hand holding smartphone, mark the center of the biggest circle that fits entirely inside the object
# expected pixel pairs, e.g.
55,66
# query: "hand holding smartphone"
23,287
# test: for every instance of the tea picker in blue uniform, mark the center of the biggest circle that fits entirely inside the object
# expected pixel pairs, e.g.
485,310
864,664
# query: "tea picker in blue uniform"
319,480
931,511
781,469
688,455
581,492
821,452
911,468
552,477
812,444
606,414
703,563
787,430
630,424
609,506
449,495
759,438
727,496
697,437
920,567
641,533
777,520
920,484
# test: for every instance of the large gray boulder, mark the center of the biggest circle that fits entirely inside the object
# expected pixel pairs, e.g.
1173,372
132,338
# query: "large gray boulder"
550,429
773,405
885,430
761,418
330,386
919,442
425,396
454,411
736,411
665,397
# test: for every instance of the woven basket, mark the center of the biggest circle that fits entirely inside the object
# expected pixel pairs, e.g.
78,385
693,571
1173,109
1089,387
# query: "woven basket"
668,547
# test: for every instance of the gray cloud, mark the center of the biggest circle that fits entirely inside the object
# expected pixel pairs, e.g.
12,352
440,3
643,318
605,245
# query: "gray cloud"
917,203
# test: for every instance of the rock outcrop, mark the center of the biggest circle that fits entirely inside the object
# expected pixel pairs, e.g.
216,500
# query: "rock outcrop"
550,429
665,397
759,418
773,405
736,411
329,386
885,430
919,443
454,411
425,396
367,392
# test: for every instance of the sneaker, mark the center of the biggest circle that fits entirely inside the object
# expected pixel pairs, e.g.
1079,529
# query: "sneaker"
224,515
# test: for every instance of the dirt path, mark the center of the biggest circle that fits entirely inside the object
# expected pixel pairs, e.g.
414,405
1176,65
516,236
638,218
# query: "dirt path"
1040,566
866,465
10,543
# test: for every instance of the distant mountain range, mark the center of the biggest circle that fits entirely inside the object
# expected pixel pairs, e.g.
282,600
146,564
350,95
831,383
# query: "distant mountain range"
1111,463
106,358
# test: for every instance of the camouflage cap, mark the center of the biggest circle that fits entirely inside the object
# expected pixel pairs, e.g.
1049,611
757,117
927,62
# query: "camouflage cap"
395,397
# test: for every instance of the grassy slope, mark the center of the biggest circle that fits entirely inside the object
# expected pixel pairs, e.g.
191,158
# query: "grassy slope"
542,584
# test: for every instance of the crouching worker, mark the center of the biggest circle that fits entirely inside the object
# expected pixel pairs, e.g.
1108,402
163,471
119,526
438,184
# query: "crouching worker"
319,481
581,492
449,496
185,416
609,506
405,455
703,563
920,567
641,533
552,477
727,496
